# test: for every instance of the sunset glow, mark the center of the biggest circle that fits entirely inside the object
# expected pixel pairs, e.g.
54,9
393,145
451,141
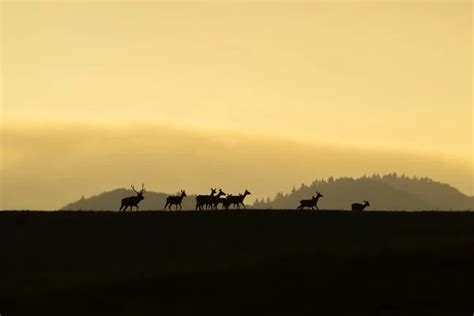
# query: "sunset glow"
261,95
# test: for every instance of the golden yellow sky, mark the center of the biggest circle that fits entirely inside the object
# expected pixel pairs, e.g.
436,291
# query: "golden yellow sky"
381,76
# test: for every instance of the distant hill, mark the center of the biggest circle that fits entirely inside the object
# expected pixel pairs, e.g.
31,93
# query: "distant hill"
388,192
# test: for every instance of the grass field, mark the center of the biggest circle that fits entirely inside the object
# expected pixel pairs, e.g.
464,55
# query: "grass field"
236,263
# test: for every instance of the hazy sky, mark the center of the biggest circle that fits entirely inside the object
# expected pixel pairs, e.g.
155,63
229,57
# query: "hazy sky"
377,76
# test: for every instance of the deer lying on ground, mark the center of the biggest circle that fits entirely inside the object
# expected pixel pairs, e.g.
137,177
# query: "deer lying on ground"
132,201
202,200
236,200
175,200
310,203
360,207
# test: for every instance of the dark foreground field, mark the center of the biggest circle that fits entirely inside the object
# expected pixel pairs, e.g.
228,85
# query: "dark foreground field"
235,263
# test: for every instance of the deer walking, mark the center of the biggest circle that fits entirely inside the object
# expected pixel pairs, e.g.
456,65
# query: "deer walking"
220,201
215,200
202,200
132,201
313,203
360,207
236,200
175,200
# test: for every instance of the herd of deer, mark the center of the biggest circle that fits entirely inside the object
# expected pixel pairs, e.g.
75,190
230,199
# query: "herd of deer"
212,201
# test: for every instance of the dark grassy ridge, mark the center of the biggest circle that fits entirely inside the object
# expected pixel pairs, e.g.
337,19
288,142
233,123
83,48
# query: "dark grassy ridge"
237,262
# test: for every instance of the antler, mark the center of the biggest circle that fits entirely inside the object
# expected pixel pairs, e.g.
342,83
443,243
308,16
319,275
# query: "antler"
142,190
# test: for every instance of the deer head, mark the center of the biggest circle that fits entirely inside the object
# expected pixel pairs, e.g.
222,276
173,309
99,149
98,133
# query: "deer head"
366,203
139,193
213,191
318,195
221,193
183,193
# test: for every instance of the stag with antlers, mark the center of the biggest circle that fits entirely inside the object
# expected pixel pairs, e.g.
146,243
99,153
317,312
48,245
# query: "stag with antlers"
132,201
175,200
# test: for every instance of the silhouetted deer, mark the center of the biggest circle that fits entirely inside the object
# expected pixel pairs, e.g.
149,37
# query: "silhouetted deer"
132,201
313,203
221,200
360,207
202,200
236,200
214,200
175,200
